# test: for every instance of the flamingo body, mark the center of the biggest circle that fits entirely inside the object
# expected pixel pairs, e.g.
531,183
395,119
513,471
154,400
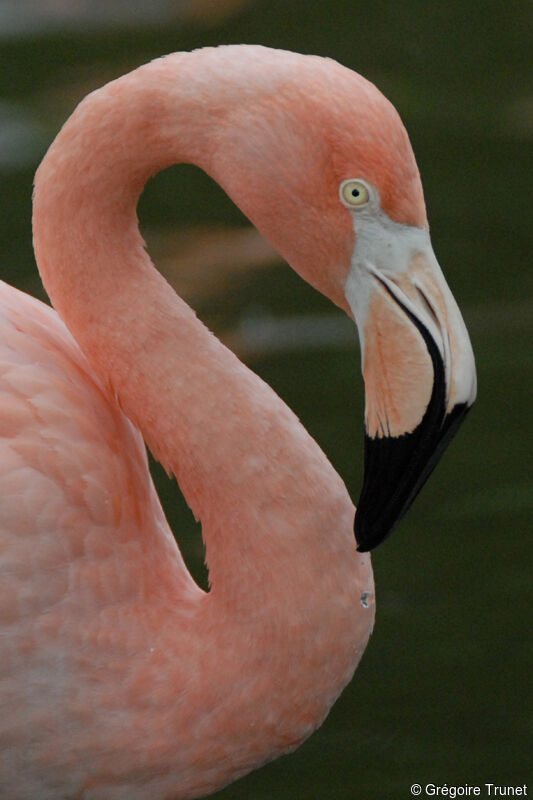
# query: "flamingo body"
99,609
120,677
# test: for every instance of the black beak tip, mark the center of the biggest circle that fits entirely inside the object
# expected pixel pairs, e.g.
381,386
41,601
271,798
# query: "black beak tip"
396,468
369,536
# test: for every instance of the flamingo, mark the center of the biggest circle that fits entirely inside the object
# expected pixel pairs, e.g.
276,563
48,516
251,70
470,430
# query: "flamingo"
120,677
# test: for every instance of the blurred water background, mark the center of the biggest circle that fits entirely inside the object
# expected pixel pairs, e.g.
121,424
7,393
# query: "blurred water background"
443,694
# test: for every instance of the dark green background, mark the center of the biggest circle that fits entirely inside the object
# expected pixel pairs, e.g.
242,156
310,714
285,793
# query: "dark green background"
443,693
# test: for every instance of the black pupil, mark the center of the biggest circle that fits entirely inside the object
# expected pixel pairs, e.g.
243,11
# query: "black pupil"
355,192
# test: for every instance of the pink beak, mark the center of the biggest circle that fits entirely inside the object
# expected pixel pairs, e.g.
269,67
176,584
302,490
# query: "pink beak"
419,377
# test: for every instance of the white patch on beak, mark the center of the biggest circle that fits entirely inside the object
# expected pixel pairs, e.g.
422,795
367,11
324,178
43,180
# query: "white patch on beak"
401,258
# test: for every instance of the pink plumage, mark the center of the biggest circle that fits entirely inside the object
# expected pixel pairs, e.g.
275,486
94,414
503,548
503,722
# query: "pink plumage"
120,677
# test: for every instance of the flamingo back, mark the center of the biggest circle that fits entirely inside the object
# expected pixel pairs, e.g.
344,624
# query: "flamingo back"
87,560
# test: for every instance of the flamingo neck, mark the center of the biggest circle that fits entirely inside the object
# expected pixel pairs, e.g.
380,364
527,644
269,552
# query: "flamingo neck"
269,501
287,615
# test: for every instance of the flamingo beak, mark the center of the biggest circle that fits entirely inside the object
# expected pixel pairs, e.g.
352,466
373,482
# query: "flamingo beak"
419,372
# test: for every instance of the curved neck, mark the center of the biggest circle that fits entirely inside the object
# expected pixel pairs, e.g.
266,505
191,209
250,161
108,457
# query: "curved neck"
238,452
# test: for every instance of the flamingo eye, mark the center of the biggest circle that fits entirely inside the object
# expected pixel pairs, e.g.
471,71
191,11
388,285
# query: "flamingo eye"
354,193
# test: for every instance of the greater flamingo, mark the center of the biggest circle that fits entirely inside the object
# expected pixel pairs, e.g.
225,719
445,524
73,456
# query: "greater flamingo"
120,677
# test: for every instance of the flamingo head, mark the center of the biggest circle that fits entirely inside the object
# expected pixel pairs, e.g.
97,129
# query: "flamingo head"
324,168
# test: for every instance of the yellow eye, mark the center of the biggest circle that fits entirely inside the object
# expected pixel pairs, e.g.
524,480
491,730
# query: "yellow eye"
354,193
